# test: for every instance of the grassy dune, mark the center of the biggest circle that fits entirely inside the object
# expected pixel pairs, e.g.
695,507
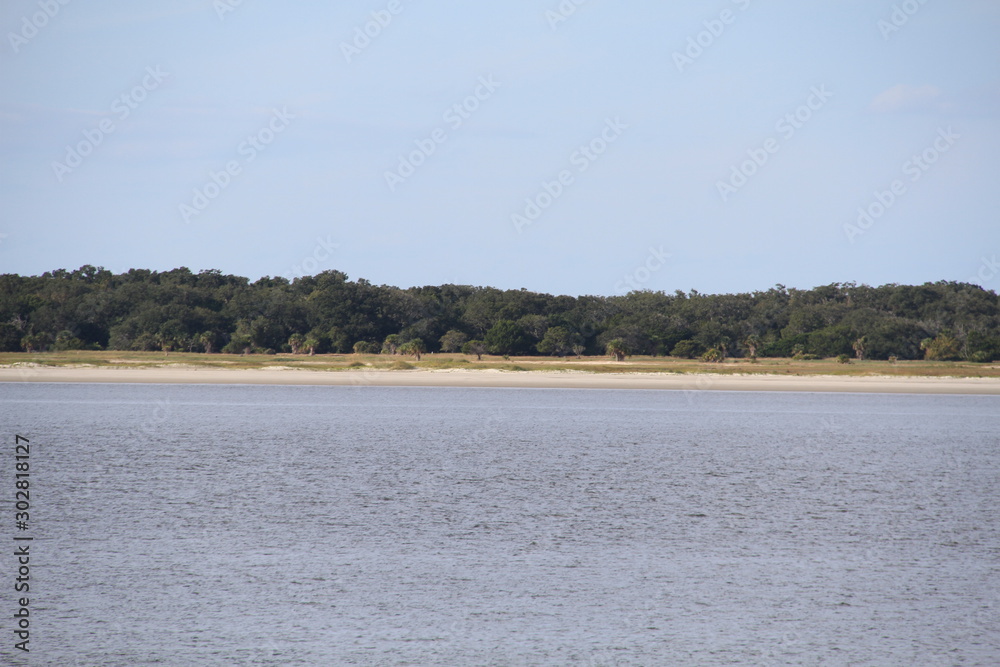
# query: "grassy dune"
340,362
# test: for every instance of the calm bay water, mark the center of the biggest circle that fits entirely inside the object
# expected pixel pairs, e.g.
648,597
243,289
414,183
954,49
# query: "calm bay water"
202,525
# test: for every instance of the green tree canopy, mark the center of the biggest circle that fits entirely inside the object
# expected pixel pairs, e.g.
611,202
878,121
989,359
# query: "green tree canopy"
453,341
558,341
210,312
476,347
505,337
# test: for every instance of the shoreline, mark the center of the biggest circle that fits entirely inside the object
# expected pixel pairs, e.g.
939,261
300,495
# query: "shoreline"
510,379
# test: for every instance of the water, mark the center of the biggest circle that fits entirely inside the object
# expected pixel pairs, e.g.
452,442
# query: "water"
182,525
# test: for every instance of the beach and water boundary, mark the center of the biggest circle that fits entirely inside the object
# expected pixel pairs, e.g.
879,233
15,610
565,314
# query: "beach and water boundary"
511,379
455,370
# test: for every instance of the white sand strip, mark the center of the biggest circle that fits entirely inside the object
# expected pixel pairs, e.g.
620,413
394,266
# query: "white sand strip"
487,378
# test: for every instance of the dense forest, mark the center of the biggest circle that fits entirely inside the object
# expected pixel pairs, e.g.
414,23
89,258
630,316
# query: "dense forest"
91,308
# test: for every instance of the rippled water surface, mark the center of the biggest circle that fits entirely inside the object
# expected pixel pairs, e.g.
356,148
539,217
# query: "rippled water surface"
184,525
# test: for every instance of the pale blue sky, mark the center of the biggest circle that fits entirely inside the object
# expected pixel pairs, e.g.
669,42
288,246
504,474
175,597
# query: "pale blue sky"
318,176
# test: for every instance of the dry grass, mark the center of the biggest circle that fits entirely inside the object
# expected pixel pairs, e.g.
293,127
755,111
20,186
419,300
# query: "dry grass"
341,362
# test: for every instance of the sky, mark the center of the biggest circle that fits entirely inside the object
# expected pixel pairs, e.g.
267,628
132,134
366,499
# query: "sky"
563,146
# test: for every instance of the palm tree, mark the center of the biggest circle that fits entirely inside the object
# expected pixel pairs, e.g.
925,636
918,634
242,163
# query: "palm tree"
296,341
859,348
616,348
925,346
392,344
31,342
166,343
311,344
414,347
207,341
751,343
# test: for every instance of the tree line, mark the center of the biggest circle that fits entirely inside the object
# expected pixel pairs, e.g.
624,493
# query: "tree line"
92,308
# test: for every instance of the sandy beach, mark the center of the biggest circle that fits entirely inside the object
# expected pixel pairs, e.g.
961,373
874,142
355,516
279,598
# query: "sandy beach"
493,378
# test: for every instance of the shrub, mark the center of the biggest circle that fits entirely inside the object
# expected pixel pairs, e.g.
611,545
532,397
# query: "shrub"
783,347
65,340
942,348
981,357
366,347
10,338
36,342
687,349
713,355
237,347
843,359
